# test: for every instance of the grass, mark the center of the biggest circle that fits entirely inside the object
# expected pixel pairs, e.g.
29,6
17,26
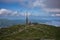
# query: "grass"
23,32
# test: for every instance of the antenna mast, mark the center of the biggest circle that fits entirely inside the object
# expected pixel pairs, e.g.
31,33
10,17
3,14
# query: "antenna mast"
26,18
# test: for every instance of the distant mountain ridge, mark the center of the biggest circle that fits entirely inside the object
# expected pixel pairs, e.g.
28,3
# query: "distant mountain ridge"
8,22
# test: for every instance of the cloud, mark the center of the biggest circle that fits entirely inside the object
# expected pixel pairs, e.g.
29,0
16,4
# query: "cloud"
6,12
51,6
15,13
25,3
46,5
52,9
55,15
38,3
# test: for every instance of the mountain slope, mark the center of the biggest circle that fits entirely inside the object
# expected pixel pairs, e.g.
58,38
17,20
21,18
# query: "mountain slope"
22,32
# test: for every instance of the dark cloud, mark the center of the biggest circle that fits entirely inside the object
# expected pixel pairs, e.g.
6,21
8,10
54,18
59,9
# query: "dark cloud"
52,3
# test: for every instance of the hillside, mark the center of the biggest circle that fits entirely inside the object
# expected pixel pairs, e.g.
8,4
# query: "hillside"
57,33
29,32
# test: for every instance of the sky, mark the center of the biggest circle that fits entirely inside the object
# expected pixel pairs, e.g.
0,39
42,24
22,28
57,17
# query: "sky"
44,9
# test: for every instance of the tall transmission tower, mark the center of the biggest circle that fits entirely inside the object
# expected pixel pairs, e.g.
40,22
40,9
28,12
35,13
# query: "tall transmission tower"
27,18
